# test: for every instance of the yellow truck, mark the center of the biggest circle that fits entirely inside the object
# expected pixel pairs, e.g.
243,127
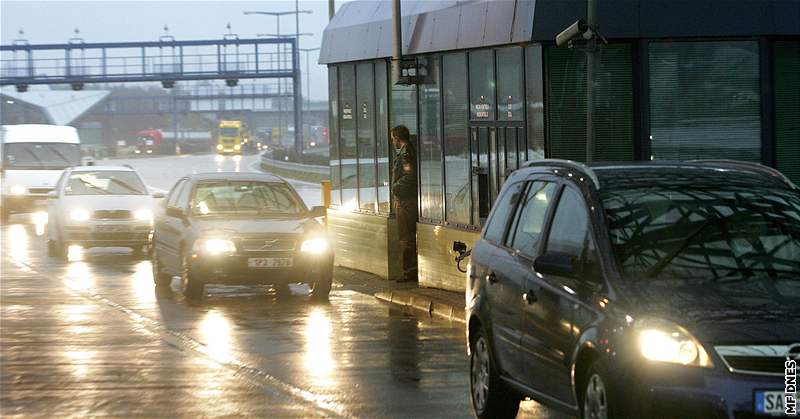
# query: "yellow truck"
232,137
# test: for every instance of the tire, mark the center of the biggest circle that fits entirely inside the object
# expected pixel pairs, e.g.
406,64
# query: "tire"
52,249
5,215
490,397
190,285
321,288
63,250
160,278
282,291
597,400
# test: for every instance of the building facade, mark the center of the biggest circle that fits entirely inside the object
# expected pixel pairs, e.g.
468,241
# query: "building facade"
675,80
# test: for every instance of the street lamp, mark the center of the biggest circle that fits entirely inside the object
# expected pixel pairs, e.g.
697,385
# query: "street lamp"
308,74
298,129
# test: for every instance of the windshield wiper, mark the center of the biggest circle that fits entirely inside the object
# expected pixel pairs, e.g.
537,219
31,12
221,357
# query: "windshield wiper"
63,157
127,186
94,187
35,157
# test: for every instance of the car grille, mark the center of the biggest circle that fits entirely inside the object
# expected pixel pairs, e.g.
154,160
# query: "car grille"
757,359
40,191
267,244
112,215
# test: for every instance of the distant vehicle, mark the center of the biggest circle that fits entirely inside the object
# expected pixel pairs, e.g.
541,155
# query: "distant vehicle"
240,228
100,206
233,137
157,141
33,157
637,290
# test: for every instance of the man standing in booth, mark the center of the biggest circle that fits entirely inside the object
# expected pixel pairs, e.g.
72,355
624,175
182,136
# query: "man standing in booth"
404,189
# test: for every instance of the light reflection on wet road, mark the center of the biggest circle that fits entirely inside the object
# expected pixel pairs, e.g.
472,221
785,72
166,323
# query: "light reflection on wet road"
94,337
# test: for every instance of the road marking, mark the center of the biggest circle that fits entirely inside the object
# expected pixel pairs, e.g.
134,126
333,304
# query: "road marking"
253,375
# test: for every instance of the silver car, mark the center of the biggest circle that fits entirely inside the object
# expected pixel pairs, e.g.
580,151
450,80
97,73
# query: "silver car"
100,206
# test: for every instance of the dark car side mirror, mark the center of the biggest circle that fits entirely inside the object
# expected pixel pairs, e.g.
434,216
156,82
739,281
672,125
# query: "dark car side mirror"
318,211
176,212
554,263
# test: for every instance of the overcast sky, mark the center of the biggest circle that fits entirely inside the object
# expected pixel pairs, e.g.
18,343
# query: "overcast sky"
120,21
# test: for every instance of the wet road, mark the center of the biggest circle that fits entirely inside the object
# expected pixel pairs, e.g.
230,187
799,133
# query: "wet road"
93,337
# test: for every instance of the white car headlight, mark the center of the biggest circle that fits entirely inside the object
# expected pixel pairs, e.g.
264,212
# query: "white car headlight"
17,190
144,215
665,341
237,147
215,246
315,246
79,215
219,146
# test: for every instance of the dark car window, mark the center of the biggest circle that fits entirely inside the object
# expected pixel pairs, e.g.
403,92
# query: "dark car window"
527,229
708,227
570,234
173,194
570,228
246,198
496,227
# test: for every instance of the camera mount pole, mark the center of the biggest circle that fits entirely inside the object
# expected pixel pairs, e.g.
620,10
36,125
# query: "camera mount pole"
591,51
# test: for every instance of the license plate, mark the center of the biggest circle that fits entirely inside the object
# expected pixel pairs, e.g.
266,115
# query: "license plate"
269,262
770,402
112,228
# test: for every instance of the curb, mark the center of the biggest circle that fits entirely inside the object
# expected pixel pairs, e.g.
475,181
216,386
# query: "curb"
417,302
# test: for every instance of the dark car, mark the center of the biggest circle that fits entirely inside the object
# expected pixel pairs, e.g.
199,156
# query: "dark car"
240,228
637,290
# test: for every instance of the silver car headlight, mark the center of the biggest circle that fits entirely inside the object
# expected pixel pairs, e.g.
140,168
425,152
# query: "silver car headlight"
315,246
664,341
79,214
215,247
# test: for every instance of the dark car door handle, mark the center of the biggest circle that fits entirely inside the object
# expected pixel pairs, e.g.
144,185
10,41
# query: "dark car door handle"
529,297
491,277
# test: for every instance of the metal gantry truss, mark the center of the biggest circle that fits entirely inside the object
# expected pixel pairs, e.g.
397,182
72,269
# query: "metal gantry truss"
167,61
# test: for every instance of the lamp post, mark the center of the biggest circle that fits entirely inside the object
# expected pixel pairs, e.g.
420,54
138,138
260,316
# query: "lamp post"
308,74
298,111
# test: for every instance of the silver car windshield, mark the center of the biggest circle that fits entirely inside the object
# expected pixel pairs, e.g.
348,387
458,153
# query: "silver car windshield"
104,182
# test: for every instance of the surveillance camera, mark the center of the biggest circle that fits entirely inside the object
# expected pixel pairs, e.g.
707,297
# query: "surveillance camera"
572,31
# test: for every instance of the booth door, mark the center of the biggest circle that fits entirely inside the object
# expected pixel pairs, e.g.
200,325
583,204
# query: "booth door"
497,150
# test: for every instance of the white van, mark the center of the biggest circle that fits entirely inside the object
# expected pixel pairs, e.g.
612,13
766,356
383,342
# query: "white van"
33,157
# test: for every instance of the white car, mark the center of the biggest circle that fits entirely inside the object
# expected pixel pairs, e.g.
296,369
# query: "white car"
100,206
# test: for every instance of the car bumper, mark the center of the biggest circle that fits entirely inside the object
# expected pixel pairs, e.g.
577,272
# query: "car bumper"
115,234
234,269
676,391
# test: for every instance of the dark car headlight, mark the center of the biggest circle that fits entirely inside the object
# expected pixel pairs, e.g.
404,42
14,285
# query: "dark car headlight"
315,246
214,247
665,341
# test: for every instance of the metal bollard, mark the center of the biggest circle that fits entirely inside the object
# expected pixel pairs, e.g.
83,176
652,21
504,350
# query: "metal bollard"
326,197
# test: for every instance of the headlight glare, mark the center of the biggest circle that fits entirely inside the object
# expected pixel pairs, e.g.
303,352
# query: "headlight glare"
667,342
219,146
237,147
144,215
217,246
79,214
18,190
315,246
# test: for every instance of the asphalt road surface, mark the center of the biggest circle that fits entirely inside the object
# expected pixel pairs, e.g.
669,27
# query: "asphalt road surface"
93,337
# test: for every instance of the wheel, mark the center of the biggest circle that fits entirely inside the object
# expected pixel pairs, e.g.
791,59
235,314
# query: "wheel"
597,396
490,397
282,290
63,251
160,278
5,215
321,288
192,288
52,249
